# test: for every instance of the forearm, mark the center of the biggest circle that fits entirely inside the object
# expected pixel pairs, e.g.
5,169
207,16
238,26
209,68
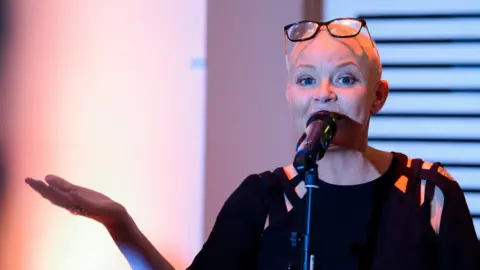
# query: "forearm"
136,248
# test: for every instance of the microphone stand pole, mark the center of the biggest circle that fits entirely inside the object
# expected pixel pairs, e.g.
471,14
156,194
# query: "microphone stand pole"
306,162
311,183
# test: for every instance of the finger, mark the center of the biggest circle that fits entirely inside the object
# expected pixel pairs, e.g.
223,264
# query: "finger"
59,182
30,180
61,198
40,187
51,193
36,184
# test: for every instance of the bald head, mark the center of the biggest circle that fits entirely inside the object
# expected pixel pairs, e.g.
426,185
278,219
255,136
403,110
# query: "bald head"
325,48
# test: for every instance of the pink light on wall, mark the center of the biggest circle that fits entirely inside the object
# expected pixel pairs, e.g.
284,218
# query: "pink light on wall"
103,94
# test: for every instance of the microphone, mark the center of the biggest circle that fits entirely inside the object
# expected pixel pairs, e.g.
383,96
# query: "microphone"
321,127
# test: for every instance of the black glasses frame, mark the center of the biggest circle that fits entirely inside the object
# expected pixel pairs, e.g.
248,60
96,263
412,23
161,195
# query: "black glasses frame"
320,24
363,23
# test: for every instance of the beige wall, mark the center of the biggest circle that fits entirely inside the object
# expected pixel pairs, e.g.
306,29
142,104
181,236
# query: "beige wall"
248,123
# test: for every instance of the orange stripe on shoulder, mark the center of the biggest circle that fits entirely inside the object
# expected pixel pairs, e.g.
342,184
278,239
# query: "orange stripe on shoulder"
401,183
445,173
427,165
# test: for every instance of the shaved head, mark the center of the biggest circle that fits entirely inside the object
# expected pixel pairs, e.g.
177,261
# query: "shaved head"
361,46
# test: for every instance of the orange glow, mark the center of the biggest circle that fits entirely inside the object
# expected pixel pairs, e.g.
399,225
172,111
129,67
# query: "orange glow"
103,94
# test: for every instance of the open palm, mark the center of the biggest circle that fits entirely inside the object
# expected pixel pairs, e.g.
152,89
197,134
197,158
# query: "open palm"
78,200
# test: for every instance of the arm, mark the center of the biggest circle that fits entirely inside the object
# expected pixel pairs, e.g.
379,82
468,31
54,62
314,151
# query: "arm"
136,248
458,244
232,244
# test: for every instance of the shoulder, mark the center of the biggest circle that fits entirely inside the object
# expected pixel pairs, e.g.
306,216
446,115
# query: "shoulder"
247,204
259,181
446,187
253,187
437,187
435,172
430,171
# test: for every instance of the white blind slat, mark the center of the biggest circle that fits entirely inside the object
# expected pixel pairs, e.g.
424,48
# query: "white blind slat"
435,151
425,127
428,53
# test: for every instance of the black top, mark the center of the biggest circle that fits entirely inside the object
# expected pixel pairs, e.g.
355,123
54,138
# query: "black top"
368,226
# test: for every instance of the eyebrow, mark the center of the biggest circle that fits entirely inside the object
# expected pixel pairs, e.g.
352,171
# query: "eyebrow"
343,64
348,63
306,66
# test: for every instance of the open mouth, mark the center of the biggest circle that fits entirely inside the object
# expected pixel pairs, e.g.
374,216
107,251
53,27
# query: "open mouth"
336,115
339,116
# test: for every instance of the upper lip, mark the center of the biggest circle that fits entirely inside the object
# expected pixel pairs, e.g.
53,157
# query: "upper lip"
338,115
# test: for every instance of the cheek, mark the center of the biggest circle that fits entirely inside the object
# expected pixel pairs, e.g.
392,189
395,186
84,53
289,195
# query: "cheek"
355,106
299,103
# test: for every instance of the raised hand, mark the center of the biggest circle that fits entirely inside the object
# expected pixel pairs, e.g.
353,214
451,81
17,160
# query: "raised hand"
137,249
79,200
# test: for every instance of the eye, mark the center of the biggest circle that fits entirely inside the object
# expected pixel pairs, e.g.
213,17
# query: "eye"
306,81
346,79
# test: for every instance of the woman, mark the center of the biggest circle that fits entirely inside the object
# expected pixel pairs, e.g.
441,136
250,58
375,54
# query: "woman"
382,211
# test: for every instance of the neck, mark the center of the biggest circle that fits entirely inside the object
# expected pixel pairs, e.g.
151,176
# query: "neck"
351,167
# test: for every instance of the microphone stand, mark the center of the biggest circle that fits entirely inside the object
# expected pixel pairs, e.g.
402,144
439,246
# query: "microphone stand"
314,143
311,183
304,162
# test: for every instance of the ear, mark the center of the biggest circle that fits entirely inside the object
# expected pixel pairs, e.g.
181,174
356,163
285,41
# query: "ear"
381,94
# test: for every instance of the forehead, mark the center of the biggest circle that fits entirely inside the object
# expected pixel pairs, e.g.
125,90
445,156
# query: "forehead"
325,47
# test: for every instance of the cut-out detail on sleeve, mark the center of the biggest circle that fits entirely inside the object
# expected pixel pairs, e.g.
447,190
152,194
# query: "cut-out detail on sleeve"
300,190
401,183
438,199
437,208
288,204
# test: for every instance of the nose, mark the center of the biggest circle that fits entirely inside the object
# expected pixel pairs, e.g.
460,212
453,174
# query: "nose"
324,93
